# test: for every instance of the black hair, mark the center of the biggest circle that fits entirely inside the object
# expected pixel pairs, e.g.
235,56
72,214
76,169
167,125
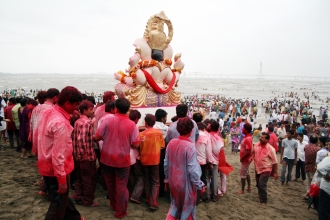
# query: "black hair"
313,139
160,113
197,117
52,92
123,105
266,134
110,105
181,110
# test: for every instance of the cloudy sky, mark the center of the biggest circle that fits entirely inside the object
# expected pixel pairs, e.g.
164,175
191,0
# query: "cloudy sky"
215,36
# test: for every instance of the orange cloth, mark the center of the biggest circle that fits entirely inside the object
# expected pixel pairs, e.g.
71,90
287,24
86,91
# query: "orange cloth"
151,141
223,166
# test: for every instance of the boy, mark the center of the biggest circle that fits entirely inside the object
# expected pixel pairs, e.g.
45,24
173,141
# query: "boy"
151,142
84,156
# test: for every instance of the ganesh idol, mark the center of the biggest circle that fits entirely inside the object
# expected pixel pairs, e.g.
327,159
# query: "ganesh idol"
151,78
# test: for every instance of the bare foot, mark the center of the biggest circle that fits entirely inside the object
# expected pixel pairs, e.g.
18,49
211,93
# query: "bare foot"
240,192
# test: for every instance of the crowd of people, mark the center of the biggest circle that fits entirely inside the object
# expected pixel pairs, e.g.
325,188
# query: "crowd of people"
78,140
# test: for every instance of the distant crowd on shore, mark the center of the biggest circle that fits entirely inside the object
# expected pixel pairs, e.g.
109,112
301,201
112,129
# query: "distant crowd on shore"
69,132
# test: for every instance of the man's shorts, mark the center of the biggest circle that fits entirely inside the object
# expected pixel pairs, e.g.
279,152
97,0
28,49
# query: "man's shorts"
244,170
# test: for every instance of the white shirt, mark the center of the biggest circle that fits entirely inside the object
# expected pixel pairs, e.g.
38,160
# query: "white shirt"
221,123
321,154
162,127
134,154
2,111
306,138
289,148
301,151
213,115
323,169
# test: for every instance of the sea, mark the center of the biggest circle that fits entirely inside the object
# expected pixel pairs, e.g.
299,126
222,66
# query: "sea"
235,88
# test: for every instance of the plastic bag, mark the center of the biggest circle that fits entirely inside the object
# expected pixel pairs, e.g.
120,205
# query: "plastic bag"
314,189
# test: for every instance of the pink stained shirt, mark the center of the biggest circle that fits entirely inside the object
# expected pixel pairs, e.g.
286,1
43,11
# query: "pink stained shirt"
118,133
264,157
203,148
55,144
97,123
99,113
36,113
217,144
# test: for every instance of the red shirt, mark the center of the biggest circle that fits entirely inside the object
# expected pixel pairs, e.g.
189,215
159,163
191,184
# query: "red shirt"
246,145
273,140
8,115
55,144
99,112
118,133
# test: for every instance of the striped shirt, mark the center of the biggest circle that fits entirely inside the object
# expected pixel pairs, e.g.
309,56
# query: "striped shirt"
83,140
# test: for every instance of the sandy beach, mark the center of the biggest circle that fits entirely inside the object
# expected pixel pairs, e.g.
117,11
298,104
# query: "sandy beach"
19,197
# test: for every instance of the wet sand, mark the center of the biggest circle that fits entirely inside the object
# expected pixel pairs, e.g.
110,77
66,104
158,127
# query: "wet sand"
19,197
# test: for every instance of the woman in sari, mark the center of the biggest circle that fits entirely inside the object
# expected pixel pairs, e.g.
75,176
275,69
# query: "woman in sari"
24,115
234,132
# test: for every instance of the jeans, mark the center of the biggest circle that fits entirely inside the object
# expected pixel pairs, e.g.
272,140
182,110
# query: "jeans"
61,206
151,184
286,163
300,167
262,180
116,181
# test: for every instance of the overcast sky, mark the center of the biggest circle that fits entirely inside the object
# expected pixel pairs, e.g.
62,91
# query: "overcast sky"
228,37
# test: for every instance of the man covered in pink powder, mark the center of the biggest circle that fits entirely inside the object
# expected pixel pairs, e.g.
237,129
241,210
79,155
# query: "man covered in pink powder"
119,134
182,173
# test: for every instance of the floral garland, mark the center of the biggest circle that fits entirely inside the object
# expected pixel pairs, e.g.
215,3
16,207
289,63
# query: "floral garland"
123,75
142,65
177,70
147,63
